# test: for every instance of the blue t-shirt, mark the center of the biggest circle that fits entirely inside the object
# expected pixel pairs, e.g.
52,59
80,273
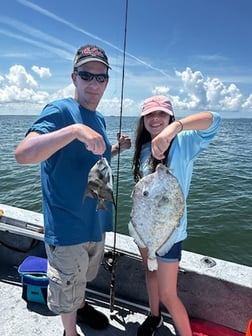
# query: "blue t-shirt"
187,145
68,219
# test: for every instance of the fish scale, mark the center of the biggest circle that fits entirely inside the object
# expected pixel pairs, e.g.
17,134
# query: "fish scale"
157,208
100,183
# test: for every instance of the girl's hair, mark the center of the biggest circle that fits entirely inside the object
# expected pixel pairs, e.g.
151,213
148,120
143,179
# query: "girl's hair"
142,136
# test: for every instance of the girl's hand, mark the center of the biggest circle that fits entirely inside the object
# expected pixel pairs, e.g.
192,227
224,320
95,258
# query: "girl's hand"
162,141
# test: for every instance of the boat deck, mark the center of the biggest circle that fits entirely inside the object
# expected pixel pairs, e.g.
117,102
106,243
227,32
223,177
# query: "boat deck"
19,318
212,290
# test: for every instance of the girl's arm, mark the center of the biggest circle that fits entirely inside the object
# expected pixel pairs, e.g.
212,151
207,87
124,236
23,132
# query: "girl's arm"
161,142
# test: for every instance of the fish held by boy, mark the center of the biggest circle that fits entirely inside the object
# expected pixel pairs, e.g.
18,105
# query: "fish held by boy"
100,183
157,208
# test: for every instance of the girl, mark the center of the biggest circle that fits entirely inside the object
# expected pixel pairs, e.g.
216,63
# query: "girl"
176,143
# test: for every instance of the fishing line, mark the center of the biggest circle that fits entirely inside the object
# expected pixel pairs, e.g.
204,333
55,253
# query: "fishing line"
112,284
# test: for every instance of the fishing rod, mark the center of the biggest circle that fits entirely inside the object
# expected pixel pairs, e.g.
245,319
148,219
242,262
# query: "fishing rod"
114,254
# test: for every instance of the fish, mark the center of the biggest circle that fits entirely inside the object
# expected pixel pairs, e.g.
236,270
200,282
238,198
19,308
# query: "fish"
157,207
100,184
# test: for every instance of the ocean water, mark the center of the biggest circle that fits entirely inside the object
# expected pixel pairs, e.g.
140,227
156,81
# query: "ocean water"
220,199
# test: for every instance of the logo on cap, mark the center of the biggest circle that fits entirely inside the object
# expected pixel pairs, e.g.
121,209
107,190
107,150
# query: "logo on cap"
90,53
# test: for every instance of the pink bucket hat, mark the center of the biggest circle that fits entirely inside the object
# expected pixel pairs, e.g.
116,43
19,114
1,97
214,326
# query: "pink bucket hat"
157,103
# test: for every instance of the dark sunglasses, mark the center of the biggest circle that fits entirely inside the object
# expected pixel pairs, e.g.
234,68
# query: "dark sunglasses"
88,76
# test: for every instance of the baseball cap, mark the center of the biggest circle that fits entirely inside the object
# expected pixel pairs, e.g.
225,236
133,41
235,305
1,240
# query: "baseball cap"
90,53
157,103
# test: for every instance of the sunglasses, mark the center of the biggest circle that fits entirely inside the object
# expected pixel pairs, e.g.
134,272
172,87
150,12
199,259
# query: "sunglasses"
88,76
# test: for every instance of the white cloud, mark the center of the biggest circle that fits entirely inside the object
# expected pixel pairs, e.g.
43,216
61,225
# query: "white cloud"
67,91
42,71
18,86
198,92
20,78
113,107
222,97
161,90
193,87
248,103
193,92
14,94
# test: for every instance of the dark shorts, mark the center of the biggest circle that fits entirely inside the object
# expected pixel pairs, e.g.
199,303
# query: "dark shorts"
173,255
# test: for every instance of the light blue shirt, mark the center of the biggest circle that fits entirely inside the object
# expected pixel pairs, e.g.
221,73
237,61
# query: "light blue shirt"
186,146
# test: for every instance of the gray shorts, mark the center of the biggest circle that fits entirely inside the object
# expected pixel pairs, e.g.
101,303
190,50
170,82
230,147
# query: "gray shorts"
69,270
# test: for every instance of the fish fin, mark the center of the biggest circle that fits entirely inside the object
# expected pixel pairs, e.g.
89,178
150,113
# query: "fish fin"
101,205
134,234
152,264
89,193
167,245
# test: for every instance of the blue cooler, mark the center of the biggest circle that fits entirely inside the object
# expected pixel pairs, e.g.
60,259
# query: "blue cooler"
33,272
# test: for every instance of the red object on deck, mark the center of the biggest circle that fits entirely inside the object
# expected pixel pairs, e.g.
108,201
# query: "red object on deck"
249,330
206,328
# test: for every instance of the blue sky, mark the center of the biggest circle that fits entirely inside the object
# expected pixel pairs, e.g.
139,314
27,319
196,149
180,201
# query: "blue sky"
197,52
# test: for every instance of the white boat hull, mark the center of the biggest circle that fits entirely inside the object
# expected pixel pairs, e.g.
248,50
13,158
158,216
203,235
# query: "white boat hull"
211,289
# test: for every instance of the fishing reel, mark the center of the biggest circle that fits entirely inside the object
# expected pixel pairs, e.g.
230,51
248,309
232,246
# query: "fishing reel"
110,260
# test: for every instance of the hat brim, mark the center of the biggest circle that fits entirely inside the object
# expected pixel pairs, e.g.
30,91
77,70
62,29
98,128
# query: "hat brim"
91,59
156,108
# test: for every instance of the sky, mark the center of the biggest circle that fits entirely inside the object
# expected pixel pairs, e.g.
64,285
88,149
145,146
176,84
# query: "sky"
197,52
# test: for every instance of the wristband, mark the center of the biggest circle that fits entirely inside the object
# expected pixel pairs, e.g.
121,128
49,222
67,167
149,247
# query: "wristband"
181,125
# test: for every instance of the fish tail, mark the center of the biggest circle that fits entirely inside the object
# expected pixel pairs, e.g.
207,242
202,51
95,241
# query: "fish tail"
152,264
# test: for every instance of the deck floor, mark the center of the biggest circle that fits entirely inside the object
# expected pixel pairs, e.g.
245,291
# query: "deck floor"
19,318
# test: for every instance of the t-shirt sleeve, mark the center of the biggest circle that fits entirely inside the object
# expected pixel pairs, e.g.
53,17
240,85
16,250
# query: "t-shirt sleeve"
49,120
194,142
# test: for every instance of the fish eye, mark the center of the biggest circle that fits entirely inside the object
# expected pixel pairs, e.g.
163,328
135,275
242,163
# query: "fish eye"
145,193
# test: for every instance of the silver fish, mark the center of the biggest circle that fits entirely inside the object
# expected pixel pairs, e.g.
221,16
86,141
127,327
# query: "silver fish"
100,183
157,208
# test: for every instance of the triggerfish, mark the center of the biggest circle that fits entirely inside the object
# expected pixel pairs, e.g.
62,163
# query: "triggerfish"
157,207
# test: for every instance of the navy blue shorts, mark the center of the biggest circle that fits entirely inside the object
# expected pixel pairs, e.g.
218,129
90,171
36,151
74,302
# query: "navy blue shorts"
173,255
